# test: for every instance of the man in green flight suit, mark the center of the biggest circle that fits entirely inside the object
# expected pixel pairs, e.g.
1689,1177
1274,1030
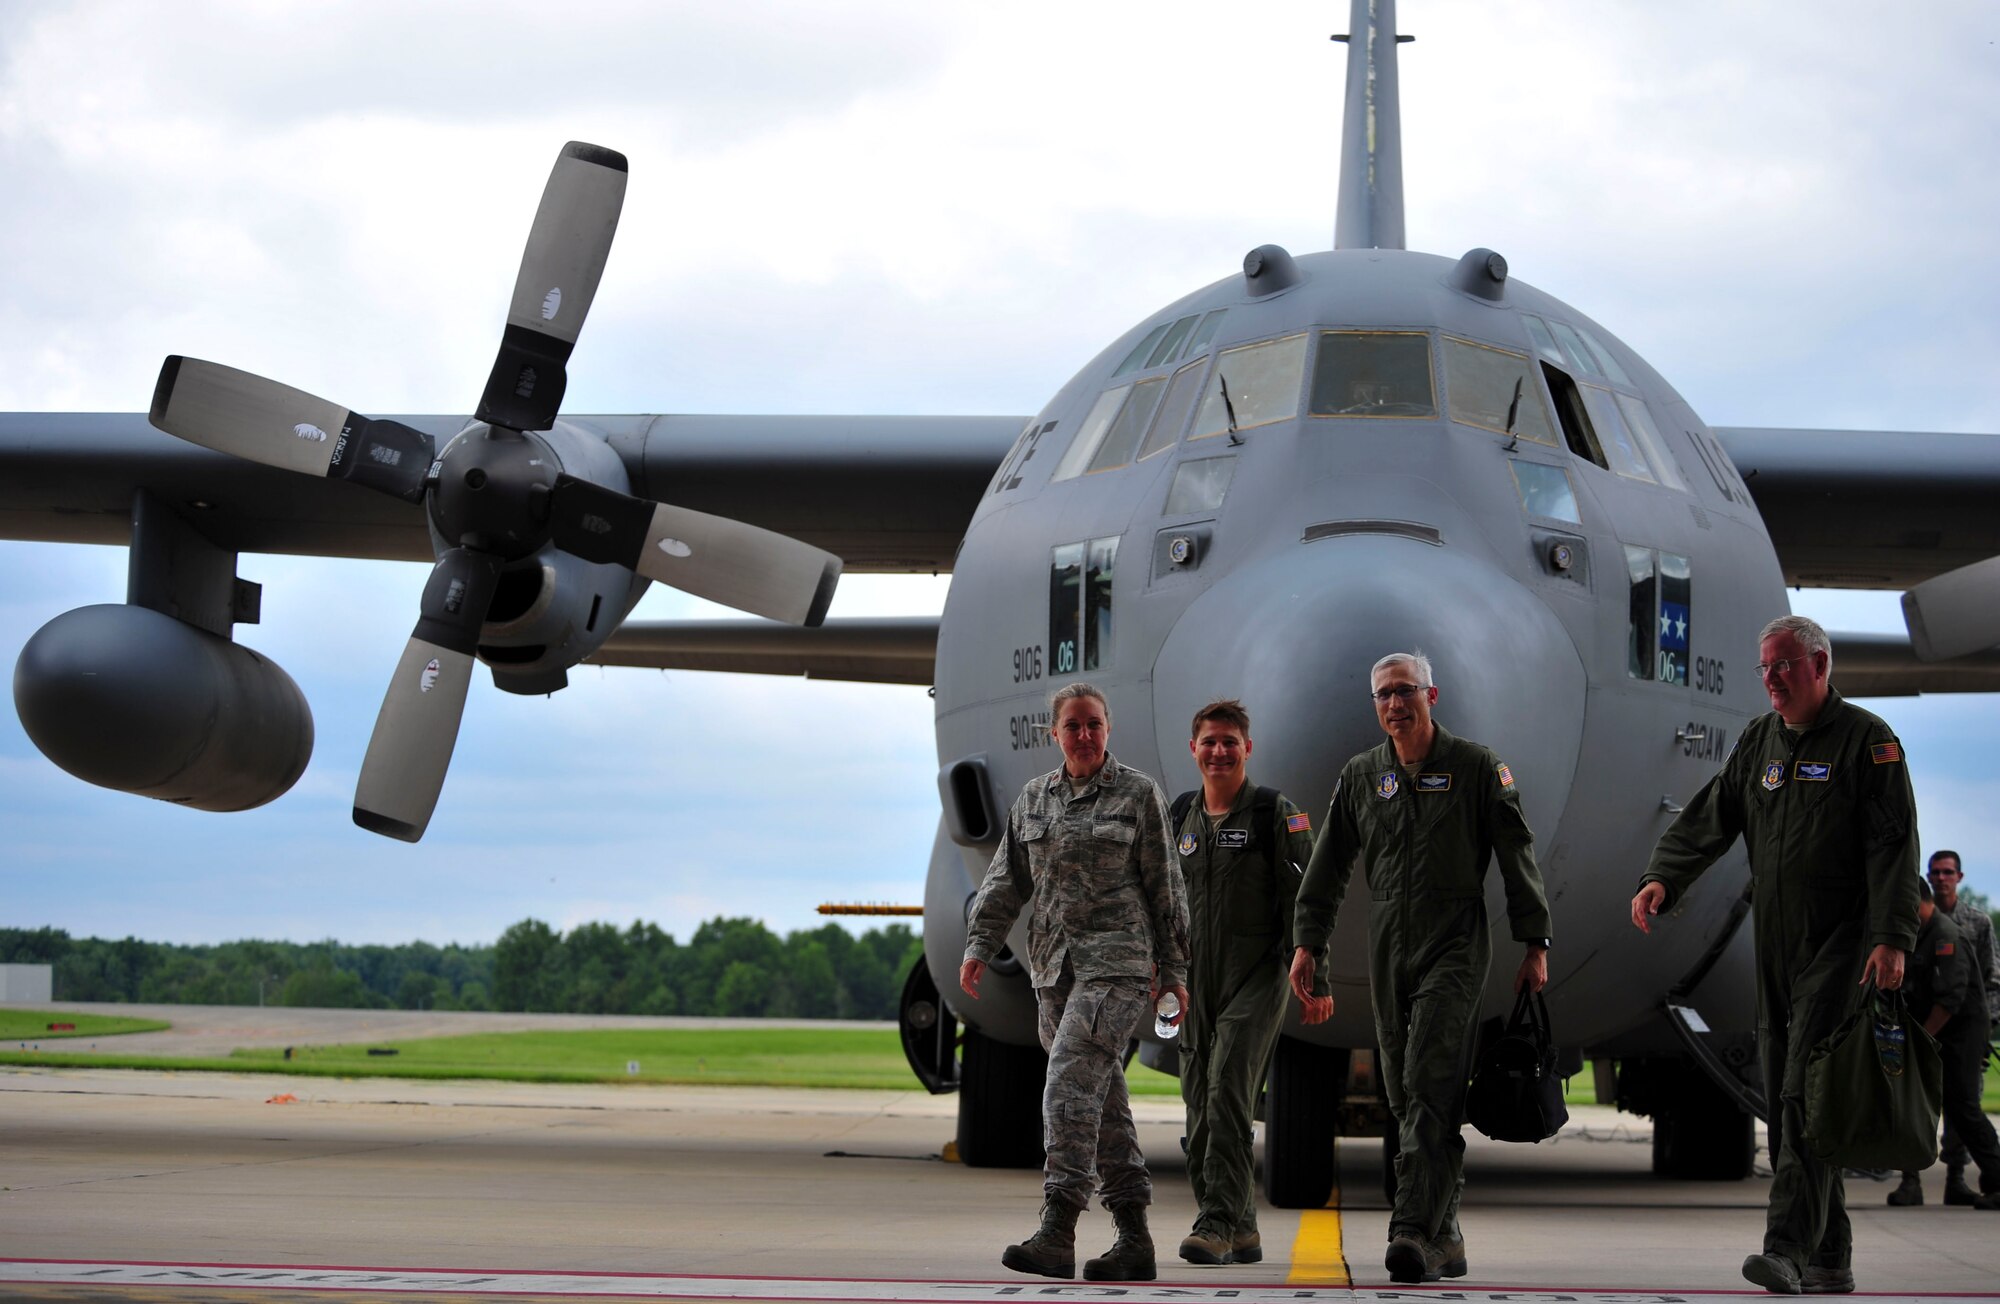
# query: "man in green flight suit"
1424,812
1241,848
1819,792
1945,991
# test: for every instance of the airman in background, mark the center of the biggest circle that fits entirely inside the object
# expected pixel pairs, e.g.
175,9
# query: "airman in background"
1945,992
1947,875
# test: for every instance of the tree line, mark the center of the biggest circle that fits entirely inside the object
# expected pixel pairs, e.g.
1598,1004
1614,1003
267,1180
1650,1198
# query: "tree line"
732,967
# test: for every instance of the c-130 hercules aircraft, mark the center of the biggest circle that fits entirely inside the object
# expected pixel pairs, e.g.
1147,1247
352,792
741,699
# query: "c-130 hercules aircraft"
1256,491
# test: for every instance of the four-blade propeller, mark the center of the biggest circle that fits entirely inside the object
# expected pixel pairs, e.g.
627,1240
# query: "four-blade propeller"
494,493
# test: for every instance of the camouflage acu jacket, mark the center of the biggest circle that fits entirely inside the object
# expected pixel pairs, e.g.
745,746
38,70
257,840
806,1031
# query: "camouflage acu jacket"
1096,876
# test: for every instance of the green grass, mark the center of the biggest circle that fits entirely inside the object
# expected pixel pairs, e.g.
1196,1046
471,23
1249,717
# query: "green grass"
781,1057
33,1025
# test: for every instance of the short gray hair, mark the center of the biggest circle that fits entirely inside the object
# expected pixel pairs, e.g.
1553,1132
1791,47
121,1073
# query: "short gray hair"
1810,635
1069,692
1419,664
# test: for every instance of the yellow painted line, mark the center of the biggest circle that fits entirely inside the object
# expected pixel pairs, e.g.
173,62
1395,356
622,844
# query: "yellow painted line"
1317,1256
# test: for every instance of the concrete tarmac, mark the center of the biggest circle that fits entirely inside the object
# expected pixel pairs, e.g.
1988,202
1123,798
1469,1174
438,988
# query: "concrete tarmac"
196,1186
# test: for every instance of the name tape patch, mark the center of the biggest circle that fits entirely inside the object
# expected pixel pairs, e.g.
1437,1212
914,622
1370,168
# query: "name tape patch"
1437,782
1812,771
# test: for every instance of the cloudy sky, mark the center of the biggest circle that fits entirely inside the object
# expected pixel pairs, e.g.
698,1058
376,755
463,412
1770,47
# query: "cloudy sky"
878,207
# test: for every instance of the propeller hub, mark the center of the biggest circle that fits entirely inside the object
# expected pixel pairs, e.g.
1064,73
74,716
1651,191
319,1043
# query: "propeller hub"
492,490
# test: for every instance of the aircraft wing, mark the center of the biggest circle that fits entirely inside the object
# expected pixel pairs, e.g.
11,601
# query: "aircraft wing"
874,650
1871,509
1884,665
885,493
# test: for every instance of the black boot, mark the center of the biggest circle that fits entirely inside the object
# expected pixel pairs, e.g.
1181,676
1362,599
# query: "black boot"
1130,1257
1955,1189
1051,1251
1909,1193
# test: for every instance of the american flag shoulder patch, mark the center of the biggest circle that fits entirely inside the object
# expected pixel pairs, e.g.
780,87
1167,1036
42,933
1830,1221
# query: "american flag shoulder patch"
1884,753
1299,823
1506,775
1947,948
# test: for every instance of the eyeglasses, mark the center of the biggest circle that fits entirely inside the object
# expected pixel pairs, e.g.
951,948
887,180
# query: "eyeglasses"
1404,691
1779,667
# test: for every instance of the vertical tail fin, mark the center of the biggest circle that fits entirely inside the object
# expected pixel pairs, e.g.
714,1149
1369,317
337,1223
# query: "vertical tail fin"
1370,214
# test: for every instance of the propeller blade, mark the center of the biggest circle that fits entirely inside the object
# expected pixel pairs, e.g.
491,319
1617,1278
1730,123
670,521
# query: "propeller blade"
1955,613
263,421
558,279
417,728
742,566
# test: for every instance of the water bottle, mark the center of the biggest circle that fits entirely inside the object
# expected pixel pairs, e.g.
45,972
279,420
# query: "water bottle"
1168,1007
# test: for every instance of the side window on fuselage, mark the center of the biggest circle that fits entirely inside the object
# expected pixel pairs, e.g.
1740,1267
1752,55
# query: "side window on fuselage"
1662,615
1080,605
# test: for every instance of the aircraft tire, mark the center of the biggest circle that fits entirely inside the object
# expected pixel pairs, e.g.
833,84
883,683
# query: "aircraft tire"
1000,1103
1703,1135
1300,1113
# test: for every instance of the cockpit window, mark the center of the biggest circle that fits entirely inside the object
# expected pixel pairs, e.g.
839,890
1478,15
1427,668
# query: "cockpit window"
1576,348
1254,385
1136,359
1373,374
1199,486
1484,385
1172,416
1621,448
1170,347
1116,450
1091,433
1205,332
1546,491
1641,420
1545,343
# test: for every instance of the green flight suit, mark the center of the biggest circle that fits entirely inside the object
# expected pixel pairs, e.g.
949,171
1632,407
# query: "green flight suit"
1424,839
1830,822
1943,971
1239,926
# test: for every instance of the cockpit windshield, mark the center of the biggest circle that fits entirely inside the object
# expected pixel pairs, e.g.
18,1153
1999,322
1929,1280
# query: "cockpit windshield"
1373,374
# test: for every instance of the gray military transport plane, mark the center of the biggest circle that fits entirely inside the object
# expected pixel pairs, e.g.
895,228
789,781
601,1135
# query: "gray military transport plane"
1256,491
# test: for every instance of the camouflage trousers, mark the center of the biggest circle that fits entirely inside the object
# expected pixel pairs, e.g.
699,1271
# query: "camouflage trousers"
1086,1116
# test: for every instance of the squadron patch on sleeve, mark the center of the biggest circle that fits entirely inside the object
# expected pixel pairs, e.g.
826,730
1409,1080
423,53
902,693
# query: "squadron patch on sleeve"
1386,786
1438,782
1506,775
1884,753
1812,771
1188,844
1774,776
1299,823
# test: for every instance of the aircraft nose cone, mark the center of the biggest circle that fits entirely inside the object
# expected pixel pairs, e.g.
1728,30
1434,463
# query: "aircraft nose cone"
1295,636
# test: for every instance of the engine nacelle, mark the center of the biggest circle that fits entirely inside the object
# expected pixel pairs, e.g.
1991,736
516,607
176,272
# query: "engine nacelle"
128,698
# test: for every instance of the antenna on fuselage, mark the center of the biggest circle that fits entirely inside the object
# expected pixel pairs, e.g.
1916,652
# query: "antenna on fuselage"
1370,211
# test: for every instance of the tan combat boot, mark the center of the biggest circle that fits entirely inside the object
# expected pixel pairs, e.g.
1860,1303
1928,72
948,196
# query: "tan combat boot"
1051,1251
1206,1244
1130,1257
